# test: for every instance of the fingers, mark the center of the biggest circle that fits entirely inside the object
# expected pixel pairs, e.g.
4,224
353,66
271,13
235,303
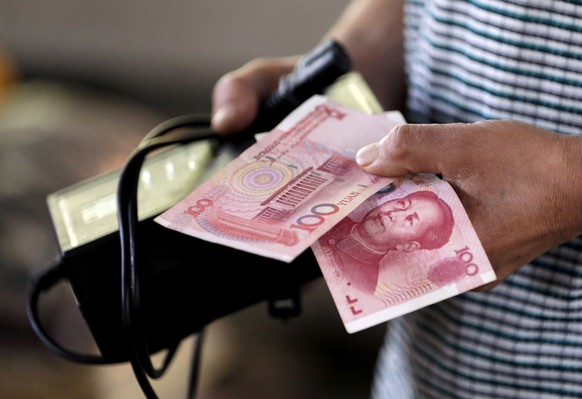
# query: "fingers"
411,148
236,95
235,103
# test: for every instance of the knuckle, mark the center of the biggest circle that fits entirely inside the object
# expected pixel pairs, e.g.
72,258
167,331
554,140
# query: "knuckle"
396,143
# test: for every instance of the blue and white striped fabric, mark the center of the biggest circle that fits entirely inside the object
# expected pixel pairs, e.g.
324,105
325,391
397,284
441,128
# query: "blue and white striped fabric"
494,59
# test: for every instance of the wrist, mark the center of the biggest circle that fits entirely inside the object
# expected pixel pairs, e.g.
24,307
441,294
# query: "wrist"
569,186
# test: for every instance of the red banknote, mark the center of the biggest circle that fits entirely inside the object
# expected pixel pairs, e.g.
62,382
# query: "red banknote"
408,246
280,195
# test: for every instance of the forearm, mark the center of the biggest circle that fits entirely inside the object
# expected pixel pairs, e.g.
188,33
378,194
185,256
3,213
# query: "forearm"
371,31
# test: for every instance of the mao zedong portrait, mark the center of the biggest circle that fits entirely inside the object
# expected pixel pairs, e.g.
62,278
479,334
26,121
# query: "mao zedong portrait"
420,220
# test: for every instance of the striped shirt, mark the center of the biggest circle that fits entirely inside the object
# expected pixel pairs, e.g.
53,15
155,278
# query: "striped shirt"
470,60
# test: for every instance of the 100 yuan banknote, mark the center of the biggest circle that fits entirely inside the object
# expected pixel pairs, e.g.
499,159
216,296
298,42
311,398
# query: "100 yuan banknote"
281,194
408,246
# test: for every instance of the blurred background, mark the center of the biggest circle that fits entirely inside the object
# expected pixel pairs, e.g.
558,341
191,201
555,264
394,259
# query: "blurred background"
81,82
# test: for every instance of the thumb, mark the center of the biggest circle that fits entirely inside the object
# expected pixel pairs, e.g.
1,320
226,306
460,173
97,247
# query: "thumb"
414,148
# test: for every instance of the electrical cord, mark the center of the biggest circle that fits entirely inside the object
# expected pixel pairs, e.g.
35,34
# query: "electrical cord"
132,317
45,281
180,130
195,365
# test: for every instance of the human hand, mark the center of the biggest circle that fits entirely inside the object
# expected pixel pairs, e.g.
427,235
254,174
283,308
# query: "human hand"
236,95
520,184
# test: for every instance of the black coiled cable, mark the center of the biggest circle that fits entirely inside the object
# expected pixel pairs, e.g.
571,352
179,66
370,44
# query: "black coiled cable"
177,131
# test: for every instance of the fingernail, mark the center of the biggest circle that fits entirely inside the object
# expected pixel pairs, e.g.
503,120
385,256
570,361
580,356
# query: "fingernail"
366,155
224,115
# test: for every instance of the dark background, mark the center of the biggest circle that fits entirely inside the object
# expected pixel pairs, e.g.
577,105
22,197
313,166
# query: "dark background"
80,83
